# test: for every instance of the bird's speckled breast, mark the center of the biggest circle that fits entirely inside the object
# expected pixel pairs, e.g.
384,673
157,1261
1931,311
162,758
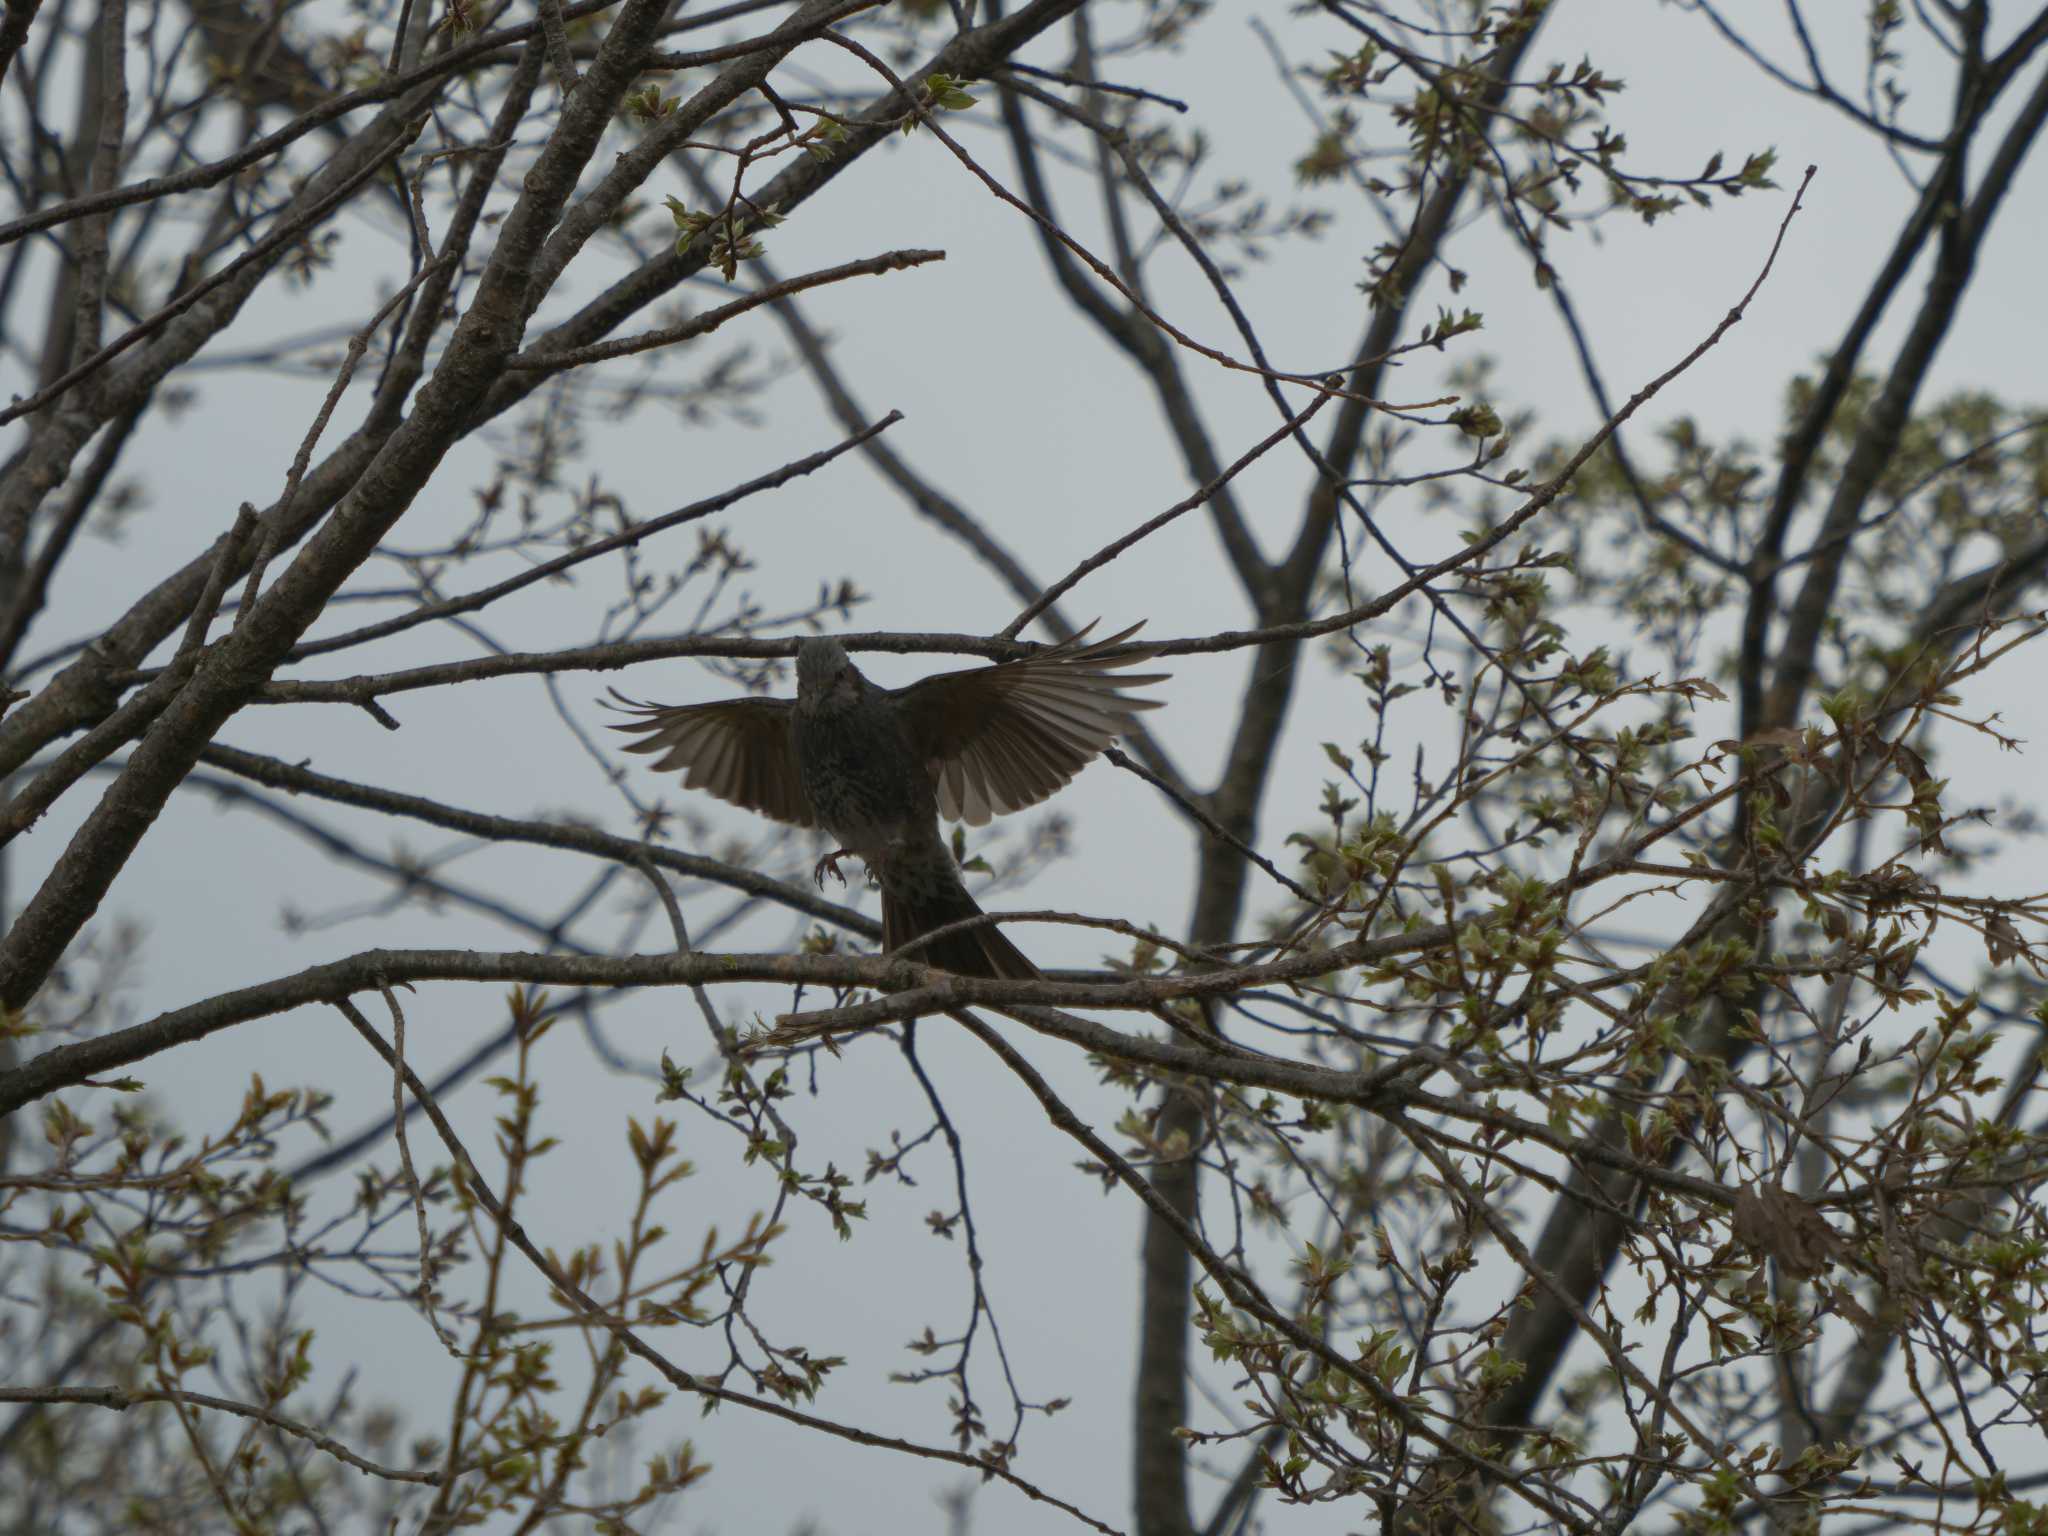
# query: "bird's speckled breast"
866,784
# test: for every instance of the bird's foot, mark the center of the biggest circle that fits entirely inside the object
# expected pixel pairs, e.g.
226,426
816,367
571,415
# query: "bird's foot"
830,863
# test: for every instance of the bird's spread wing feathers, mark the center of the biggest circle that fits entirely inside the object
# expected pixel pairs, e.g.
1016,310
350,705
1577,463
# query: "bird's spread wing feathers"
1000,738
740,750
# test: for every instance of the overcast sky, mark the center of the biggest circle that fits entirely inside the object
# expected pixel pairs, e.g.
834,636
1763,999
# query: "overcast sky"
1018,412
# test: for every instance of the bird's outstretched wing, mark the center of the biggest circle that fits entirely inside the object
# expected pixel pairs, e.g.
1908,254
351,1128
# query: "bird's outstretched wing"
740,750
1000,738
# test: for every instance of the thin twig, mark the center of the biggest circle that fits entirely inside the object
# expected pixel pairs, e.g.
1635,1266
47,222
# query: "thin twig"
292,229
711,320
280,515
121,1399
625,538
412,1179
681,1380
1187,504
217,581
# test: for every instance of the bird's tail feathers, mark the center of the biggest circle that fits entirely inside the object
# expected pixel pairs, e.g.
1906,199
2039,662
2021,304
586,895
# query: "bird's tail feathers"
981,950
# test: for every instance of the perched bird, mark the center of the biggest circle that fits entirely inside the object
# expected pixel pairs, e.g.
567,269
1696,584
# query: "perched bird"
877,767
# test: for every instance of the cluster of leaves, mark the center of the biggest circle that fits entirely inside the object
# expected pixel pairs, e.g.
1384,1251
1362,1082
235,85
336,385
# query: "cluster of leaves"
1867,1181
136,1227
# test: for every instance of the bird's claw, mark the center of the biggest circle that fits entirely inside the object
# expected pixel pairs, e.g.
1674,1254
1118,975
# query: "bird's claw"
830,863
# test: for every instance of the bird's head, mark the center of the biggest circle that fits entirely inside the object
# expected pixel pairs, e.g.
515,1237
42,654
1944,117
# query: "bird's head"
824,672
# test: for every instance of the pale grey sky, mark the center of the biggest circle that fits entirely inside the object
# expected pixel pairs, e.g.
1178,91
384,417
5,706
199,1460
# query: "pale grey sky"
1016,410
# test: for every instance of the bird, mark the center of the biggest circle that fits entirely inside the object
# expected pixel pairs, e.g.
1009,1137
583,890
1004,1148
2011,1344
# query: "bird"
877,767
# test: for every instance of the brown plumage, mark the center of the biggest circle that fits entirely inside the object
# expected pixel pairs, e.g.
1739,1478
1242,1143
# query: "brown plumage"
876,767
